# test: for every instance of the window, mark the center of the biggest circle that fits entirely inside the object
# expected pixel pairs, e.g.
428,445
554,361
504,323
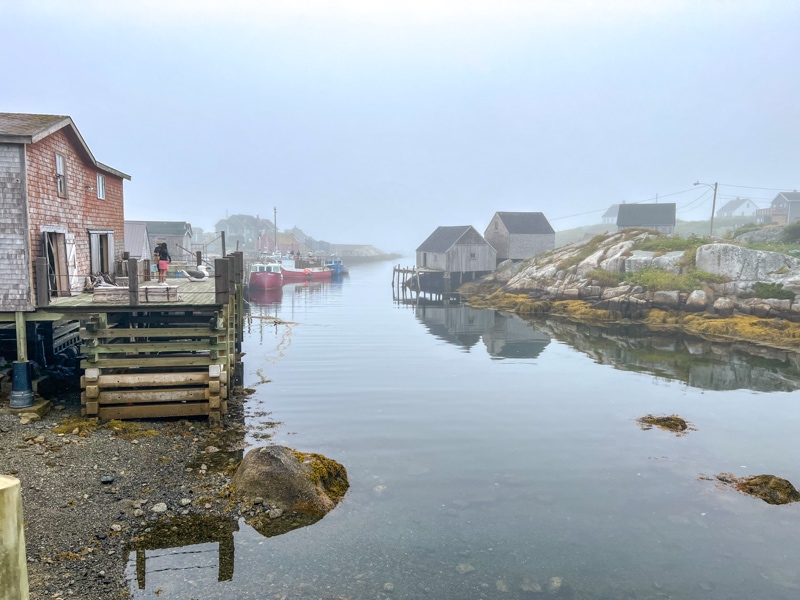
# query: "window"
61,175
101,187
472,256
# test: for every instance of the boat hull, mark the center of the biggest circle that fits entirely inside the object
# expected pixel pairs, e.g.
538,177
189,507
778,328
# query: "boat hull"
315,274
266,280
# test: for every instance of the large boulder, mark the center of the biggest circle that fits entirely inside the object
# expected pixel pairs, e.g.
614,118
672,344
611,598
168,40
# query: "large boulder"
291,481
747,266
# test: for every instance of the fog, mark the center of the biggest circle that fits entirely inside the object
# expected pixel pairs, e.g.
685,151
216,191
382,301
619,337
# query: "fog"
376,122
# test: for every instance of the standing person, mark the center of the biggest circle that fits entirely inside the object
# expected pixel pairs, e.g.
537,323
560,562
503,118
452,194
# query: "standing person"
164,259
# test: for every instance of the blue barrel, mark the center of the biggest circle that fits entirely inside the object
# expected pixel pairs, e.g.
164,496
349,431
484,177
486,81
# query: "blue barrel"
21,389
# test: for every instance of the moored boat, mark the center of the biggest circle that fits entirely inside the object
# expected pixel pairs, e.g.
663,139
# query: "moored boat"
334,263
307,274
266,275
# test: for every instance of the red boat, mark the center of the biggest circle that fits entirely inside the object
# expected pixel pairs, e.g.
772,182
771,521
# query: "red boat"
308,274
266,297
266,276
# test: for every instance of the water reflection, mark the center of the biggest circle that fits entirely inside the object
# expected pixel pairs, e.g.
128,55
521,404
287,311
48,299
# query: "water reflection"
185,548
504,335
694,361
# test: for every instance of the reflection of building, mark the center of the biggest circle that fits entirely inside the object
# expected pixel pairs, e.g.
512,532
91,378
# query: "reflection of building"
185,544
505,336
511,337
457,324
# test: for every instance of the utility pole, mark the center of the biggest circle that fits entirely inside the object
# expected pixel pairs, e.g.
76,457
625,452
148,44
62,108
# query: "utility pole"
713,205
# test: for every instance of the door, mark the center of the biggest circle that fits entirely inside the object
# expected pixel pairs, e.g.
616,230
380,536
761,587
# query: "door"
54,249
101,251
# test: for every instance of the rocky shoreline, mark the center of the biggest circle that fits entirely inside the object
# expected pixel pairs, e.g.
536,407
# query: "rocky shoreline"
571,282
89,489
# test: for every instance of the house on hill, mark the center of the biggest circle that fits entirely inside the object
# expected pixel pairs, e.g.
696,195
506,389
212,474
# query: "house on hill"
660,217
457,249
177,235
520,235
740,207
58,202
610,216
780,210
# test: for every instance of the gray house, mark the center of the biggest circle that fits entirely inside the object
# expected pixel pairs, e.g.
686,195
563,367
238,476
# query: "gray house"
137,245
660,217
520,235
457,249
177,234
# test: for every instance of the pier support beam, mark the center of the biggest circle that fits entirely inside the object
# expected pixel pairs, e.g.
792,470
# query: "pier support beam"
13,564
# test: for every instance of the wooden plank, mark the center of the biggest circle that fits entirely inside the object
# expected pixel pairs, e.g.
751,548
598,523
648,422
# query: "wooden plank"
177,346
152,411
150,379
151,332
156,361
144,396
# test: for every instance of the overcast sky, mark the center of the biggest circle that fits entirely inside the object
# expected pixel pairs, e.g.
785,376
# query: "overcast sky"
365,121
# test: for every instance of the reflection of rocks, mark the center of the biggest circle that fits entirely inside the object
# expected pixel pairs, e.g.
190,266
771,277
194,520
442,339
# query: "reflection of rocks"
771,489
700,363
305,487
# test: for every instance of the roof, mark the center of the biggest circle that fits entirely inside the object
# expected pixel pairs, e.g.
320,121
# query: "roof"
21,128
168,228
525,222
646,215
732,205
444,238
612,212
788,196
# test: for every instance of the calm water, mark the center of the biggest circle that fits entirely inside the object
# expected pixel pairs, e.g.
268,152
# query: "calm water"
487,457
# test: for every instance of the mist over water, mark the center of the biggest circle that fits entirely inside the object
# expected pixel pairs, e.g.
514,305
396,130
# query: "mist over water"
489,458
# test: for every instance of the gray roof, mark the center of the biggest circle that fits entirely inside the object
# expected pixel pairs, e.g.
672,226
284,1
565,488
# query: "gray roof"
20,128
732,205
612,212
789,196
168,228
444,238
525,222
646,215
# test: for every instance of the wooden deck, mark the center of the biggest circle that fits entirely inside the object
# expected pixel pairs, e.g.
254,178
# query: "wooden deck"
194,293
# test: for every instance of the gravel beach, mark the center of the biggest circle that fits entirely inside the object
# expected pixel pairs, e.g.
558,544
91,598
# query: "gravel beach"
89,488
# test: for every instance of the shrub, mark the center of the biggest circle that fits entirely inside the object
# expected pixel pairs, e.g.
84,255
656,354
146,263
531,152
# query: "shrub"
791,233
658,280
772,290
606,278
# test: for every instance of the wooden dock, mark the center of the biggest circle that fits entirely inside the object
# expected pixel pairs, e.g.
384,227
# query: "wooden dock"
149,350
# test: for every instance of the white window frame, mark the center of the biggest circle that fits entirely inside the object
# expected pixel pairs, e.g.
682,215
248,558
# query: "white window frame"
61,175
101,186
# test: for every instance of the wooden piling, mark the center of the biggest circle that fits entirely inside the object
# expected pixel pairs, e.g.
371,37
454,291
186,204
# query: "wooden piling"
13,564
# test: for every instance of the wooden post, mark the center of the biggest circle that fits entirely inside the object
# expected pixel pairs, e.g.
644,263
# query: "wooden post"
22,336
222,238
221,281
42,283
198,258
13,564
133,282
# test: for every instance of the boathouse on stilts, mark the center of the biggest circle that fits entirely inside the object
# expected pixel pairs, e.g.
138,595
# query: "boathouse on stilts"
66,288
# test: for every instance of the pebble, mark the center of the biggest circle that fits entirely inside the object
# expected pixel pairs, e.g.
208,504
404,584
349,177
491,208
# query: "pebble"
138,512
554,585
39,439
388,587
501,585
464,568
211,449
106,479
185,502
159,507
207,505
275,513
116,527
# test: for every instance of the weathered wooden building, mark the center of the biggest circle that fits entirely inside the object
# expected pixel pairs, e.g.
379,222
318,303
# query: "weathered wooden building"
658,216
520,235
177,235
146,350
56,202
137,243
457,249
